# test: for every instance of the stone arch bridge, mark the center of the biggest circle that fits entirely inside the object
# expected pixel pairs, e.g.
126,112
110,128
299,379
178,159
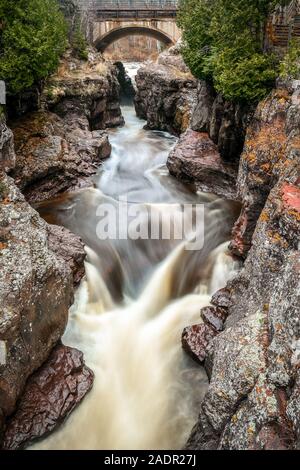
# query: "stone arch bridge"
110,20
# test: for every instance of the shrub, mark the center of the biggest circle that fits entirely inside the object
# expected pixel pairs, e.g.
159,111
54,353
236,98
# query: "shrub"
290,65
32,38
247,77
224,42
79,44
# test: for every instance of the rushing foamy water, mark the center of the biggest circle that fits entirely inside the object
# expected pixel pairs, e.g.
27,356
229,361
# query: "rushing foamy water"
137,297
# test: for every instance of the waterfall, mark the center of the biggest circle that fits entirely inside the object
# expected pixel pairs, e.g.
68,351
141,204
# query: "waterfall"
141,398
136,299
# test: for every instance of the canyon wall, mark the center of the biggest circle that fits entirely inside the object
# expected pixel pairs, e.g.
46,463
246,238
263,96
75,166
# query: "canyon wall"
253,398
40,266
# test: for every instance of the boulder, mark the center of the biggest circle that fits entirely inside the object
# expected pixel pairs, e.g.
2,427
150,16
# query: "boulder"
214,317
70,248
50,395
195,158
196,339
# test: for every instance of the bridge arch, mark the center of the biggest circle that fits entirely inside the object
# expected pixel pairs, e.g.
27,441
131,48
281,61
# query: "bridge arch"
102,42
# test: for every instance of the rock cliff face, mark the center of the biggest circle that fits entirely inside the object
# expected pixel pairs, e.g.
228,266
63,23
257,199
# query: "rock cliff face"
63,145
35,291
54,154
70,248
166,92
127,87
41,263
270,154
253,397
224,121
85,89
212,129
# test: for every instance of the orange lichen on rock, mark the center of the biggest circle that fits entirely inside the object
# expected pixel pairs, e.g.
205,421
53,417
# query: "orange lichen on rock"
277,238
282,94
264,216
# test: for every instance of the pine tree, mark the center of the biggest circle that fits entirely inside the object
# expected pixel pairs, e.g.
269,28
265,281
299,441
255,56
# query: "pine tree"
224,42
33,35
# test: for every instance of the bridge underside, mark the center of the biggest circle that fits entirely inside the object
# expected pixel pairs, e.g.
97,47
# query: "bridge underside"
110,37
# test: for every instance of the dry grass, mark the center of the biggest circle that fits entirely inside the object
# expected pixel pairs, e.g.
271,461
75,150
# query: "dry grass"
101,68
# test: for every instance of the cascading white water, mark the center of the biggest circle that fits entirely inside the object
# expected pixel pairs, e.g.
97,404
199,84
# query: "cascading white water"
135,301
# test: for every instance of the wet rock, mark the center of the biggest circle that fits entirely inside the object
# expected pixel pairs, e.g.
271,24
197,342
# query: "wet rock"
36,292
196,339
214,317
70,248
52,154
195,158
165,94
222,298
50,395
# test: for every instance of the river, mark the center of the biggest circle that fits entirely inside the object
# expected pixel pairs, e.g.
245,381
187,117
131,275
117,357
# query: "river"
137,297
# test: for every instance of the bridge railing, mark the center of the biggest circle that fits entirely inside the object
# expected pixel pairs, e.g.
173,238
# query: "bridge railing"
127,5
136,14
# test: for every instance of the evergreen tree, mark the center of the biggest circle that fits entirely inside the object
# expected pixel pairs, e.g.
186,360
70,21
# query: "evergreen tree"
79,43
224,42
33,35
